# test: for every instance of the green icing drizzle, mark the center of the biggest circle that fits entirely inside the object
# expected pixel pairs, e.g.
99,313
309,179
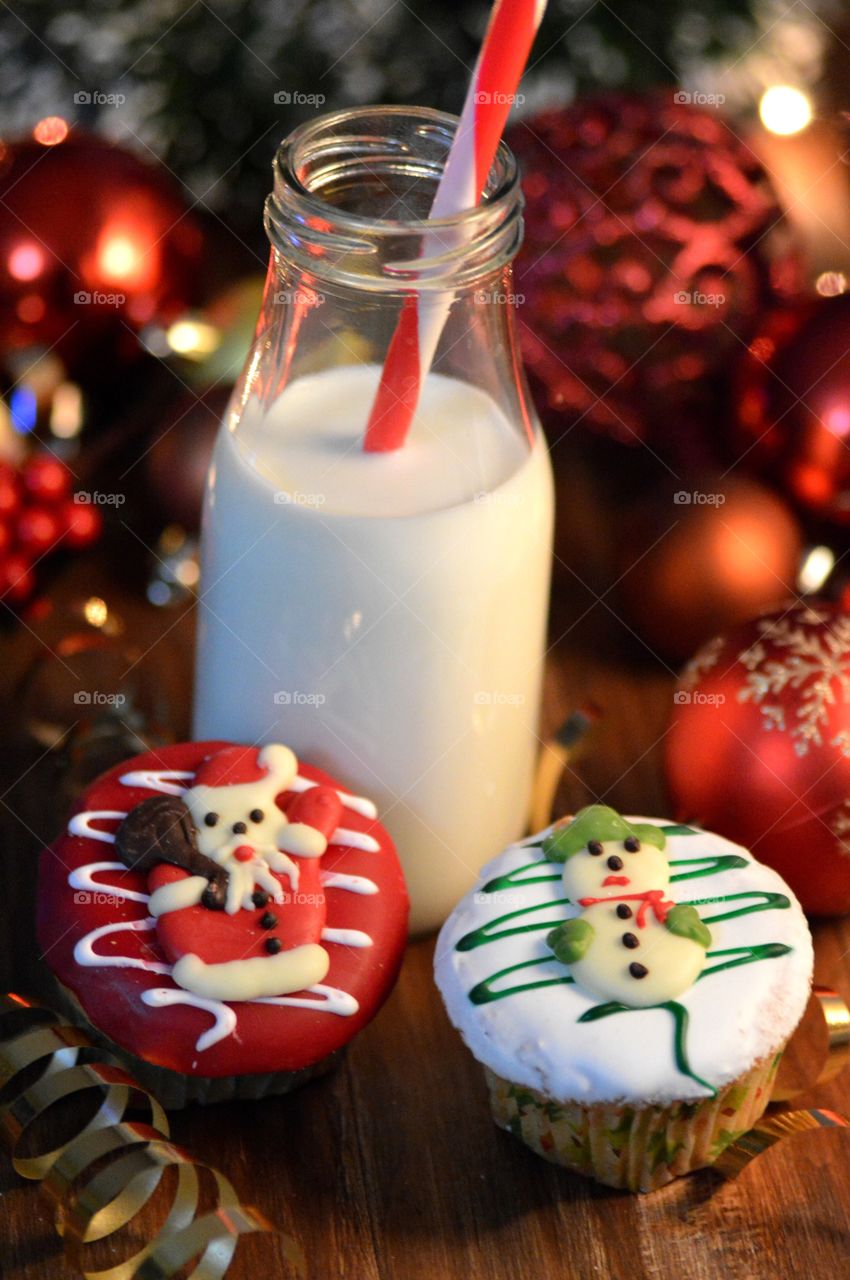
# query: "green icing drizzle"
484,994
478,937
771,902
745,955
510,881
712,864
680,1021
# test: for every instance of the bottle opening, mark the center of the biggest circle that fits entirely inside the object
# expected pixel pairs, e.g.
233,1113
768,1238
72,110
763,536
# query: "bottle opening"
352,194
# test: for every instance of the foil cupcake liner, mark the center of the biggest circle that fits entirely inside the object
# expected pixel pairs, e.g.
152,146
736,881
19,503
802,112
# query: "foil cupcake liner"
629,1147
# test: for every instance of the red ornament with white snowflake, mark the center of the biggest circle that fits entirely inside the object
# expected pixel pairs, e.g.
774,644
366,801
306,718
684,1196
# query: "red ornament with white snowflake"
759,746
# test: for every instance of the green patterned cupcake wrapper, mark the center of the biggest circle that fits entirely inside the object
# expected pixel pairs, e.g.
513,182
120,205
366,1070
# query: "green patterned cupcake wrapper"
633,1148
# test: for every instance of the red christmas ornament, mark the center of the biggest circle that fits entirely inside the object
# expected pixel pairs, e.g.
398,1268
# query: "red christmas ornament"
793,405
759,747
37,516
16,578
646,261
92,240
45,479
38,530
702,553
10,492
83,525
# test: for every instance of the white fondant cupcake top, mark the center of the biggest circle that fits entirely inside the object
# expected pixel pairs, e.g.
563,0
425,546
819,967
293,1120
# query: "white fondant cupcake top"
575,968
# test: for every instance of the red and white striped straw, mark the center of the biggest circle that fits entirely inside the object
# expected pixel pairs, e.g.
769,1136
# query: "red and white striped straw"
492,90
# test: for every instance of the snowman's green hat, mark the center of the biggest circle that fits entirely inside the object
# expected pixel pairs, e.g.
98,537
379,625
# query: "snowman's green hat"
597,822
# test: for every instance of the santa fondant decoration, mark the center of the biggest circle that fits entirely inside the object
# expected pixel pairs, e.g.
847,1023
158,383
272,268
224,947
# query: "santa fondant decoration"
234,876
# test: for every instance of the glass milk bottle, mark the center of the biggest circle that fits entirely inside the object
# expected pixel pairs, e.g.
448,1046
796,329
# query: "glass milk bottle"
384,613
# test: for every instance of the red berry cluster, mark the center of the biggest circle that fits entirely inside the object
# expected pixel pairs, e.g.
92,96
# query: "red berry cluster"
38,514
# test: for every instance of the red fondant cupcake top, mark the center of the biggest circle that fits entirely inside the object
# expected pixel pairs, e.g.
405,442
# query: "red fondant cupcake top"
223,910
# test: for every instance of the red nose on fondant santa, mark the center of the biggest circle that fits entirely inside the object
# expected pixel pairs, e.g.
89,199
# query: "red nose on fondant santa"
249,882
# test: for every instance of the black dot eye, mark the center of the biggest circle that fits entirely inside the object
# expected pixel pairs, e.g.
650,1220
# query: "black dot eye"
239,828
594,847
631,844
256,815
210,819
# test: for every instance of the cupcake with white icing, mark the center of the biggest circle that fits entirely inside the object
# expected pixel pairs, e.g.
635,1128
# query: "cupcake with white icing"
224,917
629,986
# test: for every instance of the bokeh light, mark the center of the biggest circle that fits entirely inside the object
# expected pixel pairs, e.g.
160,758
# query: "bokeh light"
785,110
50,131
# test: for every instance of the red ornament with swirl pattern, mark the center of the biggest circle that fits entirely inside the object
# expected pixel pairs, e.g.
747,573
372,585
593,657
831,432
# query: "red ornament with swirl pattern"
759,746
653,242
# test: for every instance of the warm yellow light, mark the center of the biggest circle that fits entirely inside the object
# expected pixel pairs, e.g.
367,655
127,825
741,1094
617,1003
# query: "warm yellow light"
193,338
95,611
784,109
830,284
118,258
66,411
188,572
815,569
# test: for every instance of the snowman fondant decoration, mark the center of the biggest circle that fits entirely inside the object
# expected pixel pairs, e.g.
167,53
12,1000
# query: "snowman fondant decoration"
631,944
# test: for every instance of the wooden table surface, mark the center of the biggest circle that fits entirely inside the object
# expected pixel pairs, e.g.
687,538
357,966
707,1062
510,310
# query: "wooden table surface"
391,1169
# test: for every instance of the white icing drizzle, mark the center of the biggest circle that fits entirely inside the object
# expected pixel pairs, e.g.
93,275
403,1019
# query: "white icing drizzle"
83,878
355,840
347,937
80,824
85,955
166,781
224,1015
333,1000
359,804
347,883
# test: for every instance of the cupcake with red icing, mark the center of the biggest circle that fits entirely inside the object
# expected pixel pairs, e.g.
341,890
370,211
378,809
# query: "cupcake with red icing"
226,917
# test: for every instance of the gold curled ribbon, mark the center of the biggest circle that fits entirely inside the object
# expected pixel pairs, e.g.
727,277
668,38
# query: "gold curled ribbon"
836,1017
104,1175
778,1125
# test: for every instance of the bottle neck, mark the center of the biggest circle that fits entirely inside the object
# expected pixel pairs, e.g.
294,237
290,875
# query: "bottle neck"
352,194
352,242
